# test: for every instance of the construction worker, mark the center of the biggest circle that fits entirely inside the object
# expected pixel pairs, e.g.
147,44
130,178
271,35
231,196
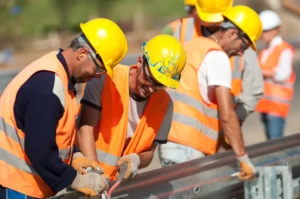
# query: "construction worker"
276,61
122,119
247,92
247,82
191,12
202,102
37,116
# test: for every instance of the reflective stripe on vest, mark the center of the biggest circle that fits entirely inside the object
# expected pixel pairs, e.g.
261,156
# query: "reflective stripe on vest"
185,30
107,158
12,133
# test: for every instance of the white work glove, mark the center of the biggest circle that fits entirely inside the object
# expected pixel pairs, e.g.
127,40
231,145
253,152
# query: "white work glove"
92,183
247,169
133,162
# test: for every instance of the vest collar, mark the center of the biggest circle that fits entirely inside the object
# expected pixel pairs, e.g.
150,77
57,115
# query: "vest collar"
60,57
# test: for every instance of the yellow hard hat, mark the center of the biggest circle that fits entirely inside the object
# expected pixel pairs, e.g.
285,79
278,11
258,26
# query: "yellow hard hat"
108,41
166,59
247,20
211,11
189,2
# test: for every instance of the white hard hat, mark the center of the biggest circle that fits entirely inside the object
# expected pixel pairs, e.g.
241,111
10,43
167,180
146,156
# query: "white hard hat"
269,19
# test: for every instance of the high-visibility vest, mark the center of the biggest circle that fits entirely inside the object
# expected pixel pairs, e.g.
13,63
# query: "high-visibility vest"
277,95
111,133
186,29
195,123
17,172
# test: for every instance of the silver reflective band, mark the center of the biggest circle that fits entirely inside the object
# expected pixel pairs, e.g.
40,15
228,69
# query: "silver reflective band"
11,132
193,102
188,32
277,99
107,158
237,73
16,162
196,124
283,84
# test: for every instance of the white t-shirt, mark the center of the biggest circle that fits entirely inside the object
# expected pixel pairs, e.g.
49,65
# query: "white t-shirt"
92,98
215,70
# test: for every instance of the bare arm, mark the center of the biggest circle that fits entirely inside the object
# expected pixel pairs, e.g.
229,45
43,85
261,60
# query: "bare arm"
88,118
229,120
146,157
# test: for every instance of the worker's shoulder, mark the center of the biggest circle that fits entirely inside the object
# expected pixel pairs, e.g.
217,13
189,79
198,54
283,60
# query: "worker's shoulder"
41,82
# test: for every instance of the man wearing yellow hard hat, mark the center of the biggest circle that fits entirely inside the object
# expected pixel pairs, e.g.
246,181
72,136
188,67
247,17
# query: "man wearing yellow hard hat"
202,102
247,92
38,111
247,82
124,117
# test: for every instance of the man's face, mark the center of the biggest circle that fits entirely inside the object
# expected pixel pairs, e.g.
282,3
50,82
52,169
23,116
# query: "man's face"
236,42
146,84
88,65
267,36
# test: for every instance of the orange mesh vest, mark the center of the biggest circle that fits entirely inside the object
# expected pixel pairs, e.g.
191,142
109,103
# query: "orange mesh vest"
16,171
195,123
186,29
277,95
111,133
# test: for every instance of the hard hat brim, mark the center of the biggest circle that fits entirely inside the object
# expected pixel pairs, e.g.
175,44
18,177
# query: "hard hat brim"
211,18
168,82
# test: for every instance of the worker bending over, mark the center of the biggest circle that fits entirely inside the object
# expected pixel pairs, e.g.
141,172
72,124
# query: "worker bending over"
38,111
123,118
276,61
246,83
202,102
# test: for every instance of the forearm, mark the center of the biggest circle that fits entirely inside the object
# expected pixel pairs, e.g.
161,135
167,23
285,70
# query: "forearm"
86,142
232,131
146,157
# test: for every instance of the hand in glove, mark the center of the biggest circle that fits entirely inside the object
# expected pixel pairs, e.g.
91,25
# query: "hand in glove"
247,169
80,163
133,162
90,183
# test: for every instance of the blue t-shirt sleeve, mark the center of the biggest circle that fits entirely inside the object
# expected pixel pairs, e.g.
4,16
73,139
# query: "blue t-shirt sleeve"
38,110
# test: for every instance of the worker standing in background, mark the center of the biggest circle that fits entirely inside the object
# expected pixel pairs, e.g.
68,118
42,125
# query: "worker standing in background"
38,111
276,62
202,102
123,118
191,12
247,81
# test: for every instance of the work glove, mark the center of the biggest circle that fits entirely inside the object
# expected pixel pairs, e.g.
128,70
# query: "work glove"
90,183
247,169
80,163
133,162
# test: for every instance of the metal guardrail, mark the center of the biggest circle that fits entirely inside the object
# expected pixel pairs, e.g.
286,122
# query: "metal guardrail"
209,177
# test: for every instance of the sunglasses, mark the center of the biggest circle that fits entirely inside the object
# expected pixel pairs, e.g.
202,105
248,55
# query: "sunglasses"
243,37
99,69
150,81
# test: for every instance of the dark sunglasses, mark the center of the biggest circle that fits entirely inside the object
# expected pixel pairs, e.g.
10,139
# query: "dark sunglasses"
149,79
244,37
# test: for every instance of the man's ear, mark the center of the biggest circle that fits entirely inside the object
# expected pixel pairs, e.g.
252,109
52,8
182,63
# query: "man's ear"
82,53
139,61
232,34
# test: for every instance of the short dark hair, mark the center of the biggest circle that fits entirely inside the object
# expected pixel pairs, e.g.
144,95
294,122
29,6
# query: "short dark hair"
78,42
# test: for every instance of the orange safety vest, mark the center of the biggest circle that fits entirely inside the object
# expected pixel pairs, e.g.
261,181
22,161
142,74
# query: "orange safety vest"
186,29
17,172
111,133
195,123
277,95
